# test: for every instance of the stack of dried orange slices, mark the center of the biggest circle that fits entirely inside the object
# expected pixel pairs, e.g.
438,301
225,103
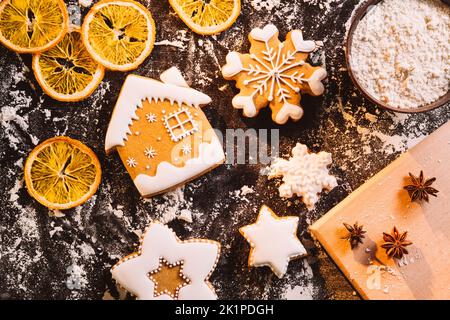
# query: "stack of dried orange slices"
69,63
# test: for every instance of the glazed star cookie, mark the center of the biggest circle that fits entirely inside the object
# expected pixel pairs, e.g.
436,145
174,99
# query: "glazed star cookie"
166,268
274,73
305,174
273,241
162,136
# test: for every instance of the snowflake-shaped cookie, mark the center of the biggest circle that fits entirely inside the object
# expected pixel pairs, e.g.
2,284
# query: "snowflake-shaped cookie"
274,73
304,174
152,272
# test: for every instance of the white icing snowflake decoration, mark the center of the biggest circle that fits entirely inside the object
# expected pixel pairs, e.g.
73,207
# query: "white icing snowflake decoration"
186,149
132,163
304,174
151,117
150,152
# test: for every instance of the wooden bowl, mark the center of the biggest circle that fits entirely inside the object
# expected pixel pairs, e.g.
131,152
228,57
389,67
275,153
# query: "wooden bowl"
360,13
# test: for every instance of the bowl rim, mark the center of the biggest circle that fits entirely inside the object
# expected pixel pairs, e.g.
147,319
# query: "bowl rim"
358,16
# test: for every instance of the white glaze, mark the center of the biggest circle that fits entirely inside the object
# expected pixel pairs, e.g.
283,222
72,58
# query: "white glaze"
150,152
167,175
233,66
264,34
246,104
131,162
300,44
304,174
134,91
186,149
289,111
315,81
173,76
174,116
274,241
151,118
199,256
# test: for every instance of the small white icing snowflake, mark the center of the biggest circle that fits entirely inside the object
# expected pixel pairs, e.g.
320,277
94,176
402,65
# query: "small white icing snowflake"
151,117
150,152
132,163
304,174
186,149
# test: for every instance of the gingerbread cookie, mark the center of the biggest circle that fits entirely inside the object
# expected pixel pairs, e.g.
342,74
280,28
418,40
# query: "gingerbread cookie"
162,136
167,268
274,73
305,174
273,241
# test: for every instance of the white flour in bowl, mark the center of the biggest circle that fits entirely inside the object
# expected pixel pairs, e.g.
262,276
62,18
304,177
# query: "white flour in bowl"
401,52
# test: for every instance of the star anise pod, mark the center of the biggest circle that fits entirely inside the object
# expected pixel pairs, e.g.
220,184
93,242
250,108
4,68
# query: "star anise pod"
355,234
395,243
420,188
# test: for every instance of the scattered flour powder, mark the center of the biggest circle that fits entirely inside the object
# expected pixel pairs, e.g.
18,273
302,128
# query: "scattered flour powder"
264,4
401,52
322,4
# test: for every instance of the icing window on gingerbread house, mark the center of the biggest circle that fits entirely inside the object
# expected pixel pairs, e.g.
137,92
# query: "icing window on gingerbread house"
180,124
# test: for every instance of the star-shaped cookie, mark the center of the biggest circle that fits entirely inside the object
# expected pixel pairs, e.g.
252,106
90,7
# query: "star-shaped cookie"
167,268
273,241
275,73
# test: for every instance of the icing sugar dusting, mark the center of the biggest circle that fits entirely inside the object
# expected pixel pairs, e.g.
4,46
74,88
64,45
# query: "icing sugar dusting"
264,4
322,4
173,205
180,41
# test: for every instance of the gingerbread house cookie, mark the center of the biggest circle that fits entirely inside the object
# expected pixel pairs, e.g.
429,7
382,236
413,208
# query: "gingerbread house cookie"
161,134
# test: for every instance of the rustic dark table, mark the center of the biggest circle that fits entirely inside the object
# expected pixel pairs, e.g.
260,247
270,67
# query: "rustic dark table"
48,255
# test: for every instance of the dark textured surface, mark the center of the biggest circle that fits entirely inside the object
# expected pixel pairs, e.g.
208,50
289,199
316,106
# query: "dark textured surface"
38,251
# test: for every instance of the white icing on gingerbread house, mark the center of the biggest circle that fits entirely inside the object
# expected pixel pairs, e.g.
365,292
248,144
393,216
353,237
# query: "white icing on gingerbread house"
153,125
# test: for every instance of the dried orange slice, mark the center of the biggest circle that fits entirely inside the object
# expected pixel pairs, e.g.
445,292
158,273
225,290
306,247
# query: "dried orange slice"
29,26
119,34
67,72
62,173
207,16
